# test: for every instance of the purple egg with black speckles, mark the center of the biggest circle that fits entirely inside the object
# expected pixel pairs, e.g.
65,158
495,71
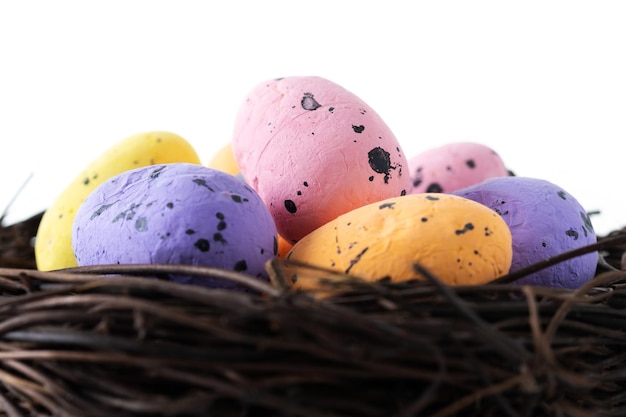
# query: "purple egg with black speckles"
545,221
177,213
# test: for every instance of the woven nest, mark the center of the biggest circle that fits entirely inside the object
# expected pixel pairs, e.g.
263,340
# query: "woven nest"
114,341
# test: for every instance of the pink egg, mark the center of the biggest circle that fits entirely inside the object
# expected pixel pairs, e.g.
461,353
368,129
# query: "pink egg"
453,166
314,151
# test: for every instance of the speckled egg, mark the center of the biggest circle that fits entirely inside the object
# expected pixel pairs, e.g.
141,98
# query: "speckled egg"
313,151
452,166
545,221
457,239
176,214
53,246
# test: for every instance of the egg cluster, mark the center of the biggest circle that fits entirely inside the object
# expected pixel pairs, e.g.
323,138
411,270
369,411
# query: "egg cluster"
313,174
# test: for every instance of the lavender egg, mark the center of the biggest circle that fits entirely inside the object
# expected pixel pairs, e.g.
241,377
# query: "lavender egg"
545,221
176,213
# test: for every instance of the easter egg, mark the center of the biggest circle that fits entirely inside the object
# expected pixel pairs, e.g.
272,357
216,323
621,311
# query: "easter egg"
313,151
224,160
545,220
176,213
452,166
283,247
53,247
458,240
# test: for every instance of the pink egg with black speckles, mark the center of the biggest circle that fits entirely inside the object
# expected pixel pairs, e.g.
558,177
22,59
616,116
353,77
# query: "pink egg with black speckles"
176,214
314,151
545,221
447,168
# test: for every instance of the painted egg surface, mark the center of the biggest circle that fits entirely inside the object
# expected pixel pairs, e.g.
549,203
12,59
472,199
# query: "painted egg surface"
545,221
458,240
454,166
313,151
176,214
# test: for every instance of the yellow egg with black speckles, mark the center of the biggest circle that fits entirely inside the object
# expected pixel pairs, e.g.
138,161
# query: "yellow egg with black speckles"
53,248
460,241
224,160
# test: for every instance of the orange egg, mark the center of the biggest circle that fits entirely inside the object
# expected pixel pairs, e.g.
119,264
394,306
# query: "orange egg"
458,240
283,247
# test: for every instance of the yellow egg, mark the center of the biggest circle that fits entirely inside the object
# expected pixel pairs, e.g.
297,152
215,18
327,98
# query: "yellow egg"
458,240
53,249
224,160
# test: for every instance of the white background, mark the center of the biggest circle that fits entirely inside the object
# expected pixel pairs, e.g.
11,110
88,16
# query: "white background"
541,82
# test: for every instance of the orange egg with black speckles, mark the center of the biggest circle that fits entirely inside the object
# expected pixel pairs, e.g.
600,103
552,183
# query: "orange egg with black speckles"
460,241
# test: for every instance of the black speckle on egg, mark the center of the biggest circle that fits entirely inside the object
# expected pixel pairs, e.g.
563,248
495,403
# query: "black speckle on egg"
203,245
586,220
424,219
356,259
544,244
222,224
380,161
331,109
98,212
305,183
403,192
241,265
238,199
190,232
572,233
128,214
308,102
218,237
141,224
86,181
562,194
417,179
432,198
488,232
299,192
371,178
202,183
470,163
434,188
155,174
337,241
466,228
358,129
388,205
290,206
169,205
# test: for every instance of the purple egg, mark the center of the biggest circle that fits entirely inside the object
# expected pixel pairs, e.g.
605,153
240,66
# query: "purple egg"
544,221
177,213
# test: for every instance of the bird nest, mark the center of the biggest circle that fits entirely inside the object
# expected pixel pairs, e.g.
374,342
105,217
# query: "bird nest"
122,341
